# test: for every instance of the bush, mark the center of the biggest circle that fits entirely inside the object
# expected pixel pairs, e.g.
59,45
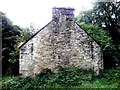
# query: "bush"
64,78
24,83
112,75
42,78
72,76
9,82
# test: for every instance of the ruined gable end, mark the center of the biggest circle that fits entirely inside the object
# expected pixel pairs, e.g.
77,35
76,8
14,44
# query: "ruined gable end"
60,43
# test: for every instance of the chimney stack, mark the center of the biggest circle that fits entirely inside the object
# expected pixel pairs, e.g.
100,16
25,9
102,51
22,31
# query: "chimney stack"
67,13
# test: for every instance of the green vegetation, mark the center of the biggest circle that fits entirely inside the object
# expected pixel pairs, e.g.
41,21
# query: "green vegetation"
69,77
102,23
106,15
103,38
12,37
9,40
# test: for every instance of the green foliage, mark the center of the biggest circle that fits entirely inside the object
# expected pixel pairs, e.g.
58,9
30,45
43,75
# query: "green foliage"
43,78
24,83
100,35
69,77
106,15
9,82
112,76
12,37
103,38
72,76
24,35
9,40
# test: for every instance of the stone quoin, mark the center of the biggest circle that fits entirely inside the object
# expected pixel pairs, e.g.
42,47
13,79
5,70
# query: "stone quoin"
62,42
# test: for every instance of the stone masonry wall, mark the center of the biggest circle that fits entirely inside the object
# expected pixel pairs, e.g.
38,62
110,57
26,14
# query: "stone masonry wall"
62,42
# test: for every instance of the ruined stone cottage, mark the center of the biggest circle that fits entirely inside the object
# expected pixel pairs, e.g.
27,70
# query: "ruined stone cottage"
61,42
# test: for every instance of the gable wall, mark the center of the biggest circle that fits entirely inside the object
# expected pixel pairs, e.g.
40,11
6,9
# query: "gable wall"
51,48
61,43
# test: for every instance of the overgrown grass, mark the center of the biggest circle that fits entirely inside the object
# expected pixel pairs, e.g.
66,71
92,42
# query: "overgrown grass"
69,77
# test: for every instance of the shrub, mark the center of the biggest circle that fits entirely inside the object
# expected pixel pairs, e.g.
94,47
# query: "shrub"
9,82
112,75
42,79
65,77
72,76
24,83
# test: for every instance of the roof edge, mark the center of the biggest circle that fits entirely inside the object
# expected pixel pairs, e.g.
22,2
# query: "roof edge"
47,25
35,34
88,34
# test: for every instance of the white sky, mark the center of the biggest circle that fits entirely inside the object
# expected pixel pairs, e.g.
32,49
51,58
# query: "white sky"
38,12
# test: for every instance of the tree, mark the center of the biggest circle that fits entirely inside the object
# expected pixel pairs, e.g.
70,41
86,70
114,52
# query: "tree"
9,34
105,15
105,41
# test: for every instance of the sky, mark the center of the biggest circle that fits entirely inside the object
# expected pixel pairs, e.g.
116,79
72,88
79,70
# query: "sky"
38,12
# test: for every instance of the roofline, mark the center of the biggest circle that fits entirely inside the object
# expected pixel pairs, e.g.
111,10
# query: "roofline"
35,34
88,34
48,24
